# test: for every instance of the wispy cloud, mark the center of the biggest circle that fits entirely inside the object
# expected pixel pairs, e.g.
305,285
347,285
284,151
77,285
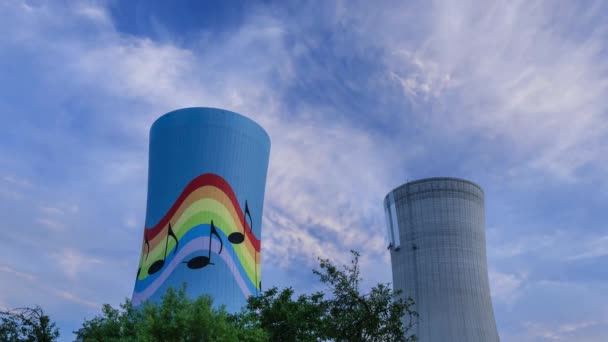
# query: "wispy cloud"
52,211
559,245
17,181
33,283
521,246
561,332
13,272
51,224
516,71
93,13
14,188
131,221
309,163
72,262
506,287
73,298
594,248
356,97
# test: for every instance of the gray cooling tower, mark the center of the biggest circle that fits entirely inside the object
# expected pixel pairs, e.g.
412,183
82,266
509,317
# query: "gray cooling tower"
438,254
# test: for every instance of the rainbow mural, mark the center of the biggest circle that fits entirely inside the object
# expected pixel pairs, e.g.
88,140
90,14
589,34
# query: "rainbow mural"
206,210
206,182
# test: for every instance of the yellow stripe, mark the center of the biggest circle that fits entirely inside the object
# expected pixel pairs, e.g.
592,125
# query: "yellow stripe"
202,212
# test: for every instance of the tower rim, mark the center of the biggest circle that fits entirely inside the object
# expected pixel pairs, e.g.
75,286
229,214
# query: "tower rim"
433,179
210,111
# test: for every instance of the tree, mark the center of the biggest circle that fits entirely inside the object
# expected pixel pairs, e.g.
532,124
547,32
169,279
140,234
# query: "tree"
288,320
354,316
343,314
112,325
27,325
176,318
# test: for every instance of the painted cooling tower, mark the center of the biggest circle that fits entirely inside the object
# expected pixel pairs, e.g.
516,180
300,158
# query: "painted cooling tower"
438,255
206,180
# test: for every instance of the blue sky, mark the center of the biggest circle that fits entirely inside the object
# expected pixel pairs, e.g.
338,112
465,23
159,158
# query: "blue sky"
357,96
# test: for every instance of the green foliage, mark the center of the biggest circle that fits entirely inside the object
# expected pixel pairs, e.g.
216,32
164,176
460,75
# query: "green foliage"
112,325
342,314
176,318
27,325
287,320
354,316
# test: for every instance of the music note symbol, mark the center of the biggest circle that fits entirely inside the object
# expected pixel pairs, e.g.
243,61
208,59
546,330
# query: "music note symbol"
158,264
238,237
202,261
147,252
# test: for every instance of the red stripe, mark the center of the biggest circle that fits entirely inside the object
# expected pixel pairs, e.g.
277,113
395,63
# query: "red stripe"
198,182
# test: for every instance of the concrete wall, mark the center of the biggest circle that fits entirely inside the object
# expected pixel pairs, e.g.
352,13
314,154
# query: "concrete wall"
437,244
206,181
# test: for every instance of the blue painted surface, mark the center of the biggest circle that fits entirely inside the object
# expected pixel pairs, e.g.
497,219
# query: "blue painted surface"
183,145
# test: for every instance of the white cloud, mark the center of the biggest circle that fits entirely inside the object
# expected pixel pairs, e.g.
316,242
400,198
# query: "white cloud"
13,272
574,326
559,245
569,331
73,262
33,280
17,181
511,70
161,74
131,221
313,155
11,195
593,248
421,80
52,211
506,287
76,299
94,13
488,69
324,189
15,188
501,248
56,217
51,224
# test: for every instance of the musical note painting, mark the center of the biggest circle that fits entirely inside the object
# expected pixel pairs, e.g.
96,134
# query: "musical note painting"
207,232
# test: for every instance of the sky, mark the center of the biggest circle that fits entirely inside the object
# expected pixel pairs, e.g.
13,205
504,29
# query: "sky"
358,97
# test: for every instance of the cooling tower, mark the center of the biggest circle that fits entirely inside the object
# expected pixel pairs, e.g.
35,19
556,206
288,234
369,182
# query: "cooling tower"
206,179
438,254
